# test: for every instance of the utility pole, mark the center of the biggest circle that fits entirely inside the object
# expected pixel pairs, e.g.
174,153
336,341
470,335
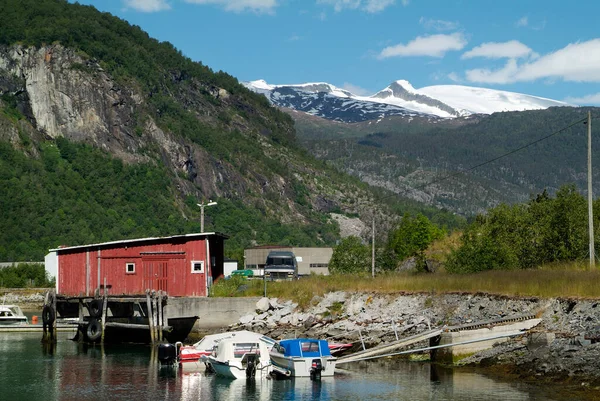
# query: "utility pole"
373,251
590,205
210,203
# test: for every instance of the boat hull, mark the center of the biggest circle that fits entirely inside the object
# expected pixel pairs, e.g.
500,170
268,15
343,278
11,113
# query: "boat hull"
235,371
301,367
137,331
13,321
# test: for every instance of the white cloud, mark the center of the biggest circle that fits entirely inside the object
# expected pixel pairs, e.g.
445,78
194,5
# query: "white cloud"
357,90
147,6
577,62
432,46
593,99
511,49
438,24
370,6
523,21
454,77
503,75
259,6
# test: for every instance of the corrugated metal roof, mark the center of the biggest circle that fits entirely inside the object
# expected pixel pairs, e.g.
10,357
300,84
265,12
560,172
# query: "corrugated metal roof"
129,241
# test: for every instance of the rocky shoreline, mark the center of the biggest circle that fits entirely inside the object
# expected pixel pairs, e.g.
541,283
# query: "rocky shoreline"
564,347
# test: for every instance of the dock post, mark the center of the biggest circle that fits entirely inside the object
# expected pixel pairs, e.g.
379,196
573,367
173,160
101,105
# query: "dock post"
54,324
79,336
160,317
104,308
361,340
150,325
155,315
49,318
395,330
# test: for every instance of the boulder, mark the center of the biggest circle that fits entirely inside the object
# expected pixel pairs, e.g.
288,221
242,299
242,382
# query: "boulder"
246,319
263,304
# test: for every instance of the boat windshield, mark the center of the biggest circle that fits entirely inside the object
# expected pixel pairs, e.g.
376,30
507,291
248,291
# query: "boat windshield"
241,349
310,346
15,310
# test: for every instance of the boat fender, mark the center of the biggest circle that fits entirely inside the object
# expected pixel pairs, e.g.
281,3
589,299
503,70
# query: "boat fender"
94,331
96,308
48,315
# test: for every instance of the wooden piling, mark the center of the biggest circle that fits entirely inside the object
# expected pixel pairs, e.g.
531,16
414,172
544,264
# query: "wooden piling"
155,316
161,323
104,308
150,323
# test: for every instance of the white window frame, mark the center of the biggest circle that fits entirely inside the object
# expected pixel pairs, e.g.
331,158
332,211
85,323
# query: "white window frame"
194,263
127,265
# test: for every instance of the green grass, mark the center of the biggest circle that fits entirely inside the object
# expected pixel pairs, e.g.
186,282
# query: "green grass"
572,280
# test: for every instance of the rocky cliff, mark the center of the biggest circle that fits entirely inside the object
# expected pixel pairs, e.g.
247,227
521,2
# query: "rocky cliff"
62,93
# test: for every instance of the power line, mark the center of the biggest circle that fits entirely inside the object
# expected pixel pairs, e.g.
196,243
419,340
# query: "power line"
420,187
502,156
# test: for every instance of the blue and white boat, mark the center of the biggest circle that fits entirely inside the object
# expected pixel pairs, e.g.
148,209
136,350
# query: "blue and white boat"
303,357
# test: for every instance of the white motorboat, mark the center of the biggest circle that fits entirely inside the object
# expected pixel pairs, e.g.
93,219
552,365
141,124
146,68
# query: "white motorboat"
303,357
241,357
12,315
190,356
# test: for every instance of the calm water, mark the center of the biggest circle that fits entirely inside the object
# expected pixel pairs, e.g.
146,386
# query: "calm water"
71,371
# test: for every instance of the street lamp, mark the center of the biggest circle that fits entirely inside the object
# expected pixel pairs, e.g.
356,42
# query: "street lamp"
210,203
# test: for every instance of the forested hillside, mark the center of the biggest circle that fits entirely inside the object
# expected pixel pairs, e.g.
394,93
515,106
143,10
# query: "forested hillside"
107,134
434,162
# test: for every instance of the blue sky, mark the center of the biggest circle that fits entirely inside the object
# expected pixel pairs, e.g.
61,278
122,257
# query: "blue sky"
545,48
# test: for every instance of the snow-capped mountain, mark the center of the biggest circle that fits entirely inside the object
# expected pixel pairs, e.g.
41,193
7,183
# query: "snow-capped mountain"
328,101
399,98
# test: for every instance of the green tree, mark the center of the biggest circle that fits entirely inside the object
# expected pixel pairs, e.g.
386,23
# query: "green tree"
411,238
522,236
351,256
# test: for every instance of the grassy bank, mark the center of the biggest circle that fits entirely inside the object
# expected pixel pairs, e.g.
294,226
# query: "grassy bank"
574,280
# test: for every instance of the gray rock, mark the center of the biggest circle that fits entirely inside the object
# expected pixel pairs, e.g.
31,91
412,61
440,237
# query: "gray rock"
263,304
246,319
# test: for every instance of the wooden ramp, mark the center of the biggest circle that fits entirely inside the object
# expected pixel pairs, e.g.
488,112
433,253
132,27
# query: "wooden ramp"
387,348
490,331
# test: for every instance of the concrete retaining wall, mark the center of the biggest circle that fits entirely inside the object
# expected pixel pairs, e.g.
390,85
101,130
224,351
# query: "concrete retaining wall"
458,351
213,313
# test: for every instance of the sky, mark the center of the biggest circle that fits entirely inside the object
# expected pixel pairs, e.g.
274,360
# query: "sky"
546,48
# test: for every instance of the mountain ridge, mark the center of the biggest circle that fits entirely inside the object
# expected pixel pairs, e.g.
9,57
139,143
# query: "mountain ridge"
398,98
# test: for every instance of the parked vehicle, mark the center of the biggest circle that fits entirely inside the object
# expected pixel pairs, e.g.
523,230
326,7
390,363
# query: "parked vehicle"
242,273
303,357
281,265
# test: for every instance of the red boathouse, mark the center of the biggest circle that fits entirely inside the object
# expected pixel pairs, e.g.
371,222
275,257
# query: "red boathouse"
181,265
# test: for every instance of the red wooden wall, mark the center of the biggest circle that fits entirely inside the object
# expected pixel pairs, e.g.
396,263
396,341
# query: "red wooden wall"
160,264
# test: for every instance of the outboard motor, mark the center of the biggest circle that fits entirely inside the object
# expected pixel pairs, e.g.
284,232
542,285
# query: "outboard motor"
250,366
167,354
316,368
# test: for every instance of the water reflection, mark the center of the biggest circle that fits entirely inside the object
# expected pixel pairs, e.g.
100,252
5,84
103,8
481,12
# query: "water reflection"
74,371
